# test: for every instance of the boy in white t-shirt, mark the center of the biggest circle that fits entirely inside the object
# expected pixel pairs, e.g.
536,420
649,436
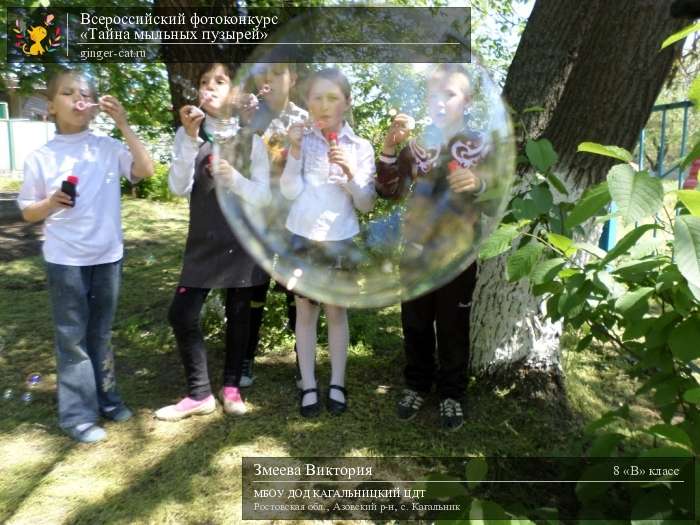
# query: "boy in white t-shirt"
83,245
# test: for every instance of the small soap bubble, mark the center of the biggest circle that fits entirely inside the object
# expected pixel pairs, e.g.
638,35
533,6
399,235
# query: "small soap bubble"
27,398
8,394
190,93
392,112
150,260
33,380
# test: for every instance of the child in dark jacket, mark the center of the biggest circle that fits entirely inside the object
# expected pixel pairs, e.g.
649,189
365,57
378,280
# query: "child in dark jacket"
446,174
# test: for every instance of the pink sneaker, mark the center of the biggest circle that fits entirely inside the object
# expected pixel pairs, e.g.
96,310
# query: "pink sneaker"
232,401
185,408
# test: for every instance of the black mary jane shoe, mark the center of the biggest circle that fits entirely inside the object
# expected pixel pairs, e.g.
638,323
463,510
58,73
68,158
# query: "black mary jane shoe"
312,410
336,407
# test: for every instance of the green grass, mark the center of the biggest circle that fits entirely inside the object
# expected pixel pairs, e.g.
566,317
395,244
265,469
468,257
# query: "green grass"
8,184
189,472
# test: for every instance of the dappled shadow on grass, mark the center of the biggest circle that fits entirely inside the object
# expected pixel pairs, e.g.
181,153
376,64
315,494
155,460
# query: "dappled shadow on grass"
28,479
203,463
19,239
369,428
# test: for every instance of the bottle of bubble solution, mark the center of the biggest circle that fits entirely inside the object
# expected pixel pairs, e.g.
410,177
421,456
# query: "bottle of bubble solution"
68,187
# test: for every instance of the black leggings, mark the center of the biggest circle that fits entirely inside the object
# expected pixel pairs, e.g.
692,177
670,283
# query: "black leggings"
257,307
184,317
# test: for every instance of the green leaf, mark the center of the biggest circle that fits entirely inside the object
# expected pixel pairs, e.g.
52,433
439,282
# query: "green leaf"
685,340
476,471
604,445
637,195
680,35
690,199
596,471
524,208
556,182
542,198
553,308
646,247
485,511
592,201
541,154
607,151
533,109
562,243
590,248
614,288
657,336
638,270
547,270
584,343
665,452
499,241
694,92
629,240
692,396
628,303
687,247
667,392
607,418
523,260
672,433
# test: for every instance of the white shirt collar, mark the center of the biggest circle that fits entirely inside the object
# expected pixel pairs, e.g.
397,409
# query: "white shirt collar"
71,138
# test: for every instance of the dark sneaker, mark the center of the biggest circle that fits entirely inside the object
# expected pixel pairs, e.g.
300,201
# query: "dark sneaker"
247,377
409,404
118,414
451,415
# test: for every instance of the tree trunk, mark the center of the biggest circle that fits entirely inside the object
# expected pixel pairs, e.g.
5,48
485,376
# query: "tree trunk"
596,69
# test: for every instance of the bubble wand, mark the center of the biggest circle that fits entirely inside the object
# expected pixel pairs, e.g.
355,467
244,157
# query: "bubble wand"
81,105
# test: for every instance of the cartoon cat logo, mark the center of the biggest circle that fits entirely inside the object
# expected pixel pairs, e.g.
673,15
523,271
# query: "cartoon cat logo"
36,35
31,41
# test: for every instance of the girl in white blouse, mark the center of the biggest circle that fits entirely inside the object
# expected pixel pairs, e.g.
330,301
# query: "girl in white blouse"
329,173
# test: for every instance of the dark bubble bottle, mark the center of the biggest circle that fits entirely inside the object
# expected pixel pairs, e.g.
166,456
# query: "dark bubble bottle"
68,187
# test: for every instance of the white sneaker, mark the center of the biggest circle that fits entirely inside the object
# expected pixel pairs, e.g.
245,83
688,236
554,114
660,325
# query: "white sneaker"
185,408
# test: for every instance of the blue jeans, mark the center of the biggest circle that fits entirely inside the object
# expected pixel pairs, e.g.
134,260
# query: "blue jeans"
83,301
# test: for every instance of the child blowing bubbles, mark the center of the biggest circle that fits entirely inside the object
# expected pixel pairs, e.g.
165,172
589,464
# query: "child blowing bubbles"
448,168
83,246
327,179
270,119
213,256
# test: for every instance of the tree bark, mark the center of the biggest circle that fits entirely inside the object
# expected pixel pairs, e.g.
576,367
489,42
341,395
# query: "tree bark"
596,69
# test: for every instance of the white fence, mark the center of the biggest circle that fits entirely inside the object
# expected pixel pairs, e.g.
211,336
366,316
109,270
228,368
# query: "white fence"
19,137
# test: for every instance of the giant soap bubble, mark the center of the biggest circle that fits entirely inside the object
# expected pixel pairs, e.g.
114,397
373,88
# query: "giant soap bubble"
448,181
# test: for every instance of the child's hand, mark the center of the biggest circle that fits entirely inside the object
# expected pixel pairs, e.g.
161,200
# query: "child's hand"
337,156
247,101
464,180
59,200
114,109
223,172
191,118
247,109
399,131
295,133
